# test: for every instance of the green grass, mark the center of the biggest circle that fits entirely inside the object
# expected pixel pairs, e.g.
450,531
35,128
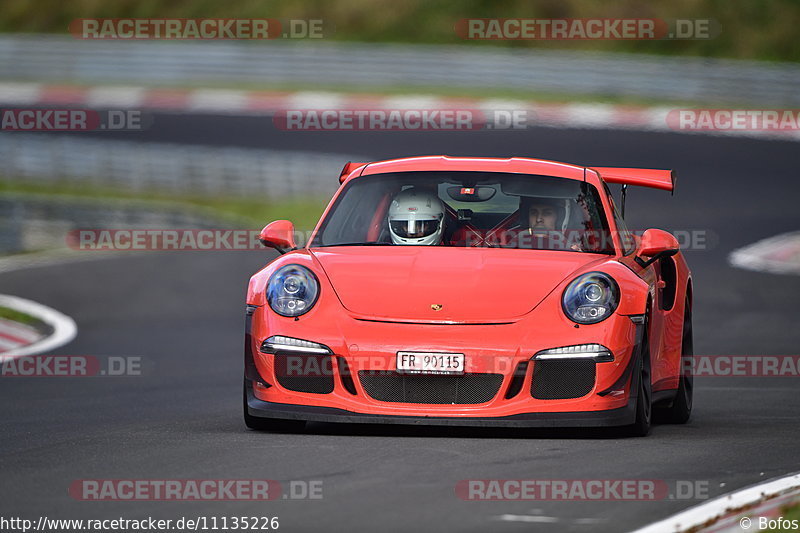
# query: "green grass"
764,29
16,316
253,212
790,512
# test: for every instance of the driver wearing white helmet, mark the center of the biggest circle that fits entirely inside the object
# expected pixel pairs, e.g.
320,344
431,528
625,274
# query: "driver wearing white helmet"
416,217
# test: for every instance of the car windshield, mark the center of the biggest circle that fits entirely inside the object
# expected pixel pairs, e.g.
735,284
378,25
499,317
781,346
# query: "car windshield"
467,209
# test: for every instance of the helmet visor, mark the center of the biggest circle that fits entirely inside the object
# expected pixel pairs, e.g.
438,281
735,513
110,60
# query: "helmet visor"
414,229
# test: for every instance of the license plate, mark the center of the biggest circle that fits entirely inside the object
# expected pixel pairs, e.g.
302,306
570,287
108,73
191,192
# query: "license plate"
430,363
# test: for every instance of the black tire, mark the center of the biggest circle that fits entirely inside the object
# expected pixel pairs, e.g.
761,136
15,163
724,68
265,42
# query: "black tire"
644,398
681,409
269,424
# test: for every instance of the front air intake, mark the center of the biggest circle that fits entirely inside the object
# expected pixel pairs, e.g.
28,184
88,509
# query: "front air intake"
305,373
561,379
430,388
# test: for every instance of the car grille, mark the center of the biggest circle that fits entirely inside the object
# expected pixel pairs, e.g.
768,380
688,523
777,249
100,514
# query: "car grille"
430,388
305,373
562,379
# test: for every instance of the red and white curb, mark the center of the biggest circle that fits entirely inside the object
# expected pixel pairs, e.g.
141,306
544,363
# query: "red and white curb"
776,255
728,504
15,335
240,102
64,328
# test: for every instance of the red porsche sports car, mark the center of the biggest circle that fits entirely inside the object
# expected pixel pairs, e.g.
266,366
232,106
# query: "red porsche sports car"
475,292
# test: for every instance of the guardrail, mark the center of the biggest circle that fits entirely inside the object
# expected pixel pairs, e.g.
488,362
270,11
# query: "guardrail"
58,58
30,222
41,222
173,168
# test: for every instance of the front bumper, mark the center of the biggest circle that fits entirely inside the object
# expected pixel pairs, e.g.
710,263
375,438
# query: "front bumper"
621,416
609,401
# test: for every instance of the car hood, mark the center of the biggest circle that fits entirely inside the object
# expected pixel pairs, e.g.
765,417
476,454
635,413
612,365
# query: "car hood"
472,285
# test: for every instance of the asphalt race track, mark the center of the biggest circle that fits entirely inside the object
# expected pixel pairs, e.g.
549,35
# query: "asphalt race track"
183,313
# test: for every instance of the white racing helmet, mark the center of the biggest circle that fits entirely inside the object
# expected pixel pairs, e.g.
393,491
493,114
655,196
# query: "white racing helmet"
416,217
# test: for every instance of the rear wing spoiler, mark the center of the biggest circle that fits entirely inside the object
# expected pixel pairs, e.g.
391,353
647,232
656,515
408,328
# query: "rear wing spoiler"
643,177
348,168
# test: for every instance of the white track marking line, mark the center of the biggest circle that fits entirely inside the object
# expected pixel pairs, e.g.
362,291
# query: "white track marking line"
765,255
699,514
64,328
527,518
589,521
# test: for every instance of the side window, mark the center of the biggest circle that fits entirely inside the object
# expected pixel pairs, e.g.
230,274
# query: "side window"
625,236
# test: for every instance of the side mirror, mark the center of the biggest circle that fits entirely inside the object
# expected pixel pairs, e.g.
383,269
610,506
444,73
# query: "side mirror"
278,235
656,244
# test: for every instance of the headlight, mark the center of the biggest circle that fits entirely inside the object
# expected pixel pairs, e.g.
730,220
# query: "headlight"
590,298
292,290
